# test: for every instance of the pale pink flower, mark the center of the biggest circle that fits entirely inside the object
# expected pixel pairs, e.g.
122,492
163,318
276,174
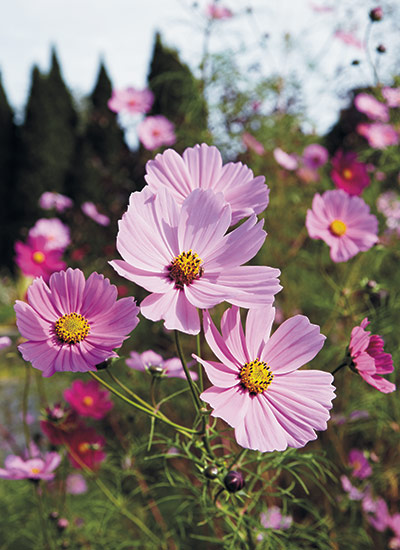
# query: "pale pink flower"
72,324
369,358
55,232
36,260
343,222
289,162
91,211
252,143
88,399
75,484
156,131
370,106
171,367
353,492
37,468
184,257
377,512
392,96
394,524
321,8
274,519
5,342
50,200
308,175
348,38
257,388
216,11
131,100
315,156
201,167
379,136
360,465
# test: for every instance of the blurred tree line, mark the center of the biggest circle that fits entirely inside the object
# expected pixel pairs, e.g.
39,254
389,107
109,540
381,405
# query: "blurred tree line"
79,150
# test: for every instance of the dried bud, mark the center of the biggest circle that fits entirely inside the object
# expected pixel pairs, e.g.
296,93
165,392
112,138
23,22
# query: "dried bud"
376,14
211,472
234,481
381,48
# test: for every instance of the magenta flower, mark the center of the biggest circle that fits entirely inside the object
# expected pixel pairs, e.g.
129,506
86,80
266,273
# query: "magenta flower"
257,388
75,484
315,156
171,367
131,100
37,468
374,109
369,358
49,200
252,143
156,131
185,259
274,519
216,11
85,448
72,324
35,260
343,222
88,399
348,173
289,162
91,211
56,233
392,96
379,136
201,167
360,465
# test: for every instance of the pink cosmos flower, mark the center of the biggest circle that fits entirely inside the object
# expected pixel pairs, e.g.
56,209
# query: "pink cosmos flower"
58,421
156,131
35,260
353,492
320,8
360,465
348,173
369,358
16,467
348,38
252,143
315,156
5,342
389,204
392,96
394,524
273,519
172,367
91,211
379,136
56,233
216,11
289,162
85,447
72,324
377,512
308,175
131,100
88,399
186,260
257,388
49,200
201,167
370,106
75,484
343,222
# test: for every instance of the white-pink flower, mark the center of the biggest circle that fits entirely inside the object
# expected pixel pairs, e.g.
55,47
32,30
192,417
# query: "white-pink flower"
392,96
170,367
289,162
216,11
156,131
50,200
374,109
252,143
131,100
91,211
55,232
378,135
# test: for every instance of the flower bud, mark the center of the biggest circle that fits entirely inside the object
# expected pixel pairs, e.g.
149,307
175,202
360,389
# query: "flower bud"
62,524
376,14
211,472
234,481
156,370
381,48
53,515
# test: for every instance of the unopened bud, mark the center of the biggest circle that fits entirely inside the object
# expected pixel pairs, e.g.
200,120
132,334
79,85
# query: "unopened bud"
211,472
156,370
62,524
234,481
381,48
376,14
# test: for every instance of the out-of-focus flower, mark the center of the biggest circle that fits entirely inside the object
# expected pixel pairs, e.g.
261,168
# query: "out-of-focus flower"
348,173
394,524
36,468
131,100
143,361
360,465
201,167
353,492
376,14
156,131
49,200
184,257
58,421
75,484
321,8
91,211
369,359
392,96
389,204
379,136
380,176
85,447
55,232
308,175
315,156
377,512
257,388
5,342
370,106
88,399
348,38
274,519
72,324
35,259
343,222
358,415
216,11
252,143
289,162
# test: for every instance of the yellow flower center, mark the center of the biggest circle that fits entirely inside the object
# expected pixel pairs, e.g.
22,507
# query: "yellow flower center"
83,447
72,328
35,470
347,174
88,401
256,376
38,257
338,228
185,268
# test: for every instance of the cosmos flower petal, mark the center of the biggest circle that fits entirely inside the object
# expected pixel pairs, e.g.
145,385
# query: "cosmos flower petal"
231,404
41,354
204,293
220,375
98,296
233,335
258,329
379,382
169,170
172,306
40,298
365,363
67,288
29,323
153,282
218,345
204,165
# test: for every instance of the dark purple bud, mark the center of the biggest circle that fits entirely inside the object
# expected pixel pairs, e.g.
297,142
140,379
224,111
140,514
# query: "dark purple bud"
381,48
211,472
376,14
234,481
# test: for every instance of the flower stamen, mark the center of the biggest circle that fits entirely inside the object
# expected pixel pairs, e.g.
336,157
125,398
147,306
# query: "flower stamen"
256,376
185,268
38,257
72,328
338,228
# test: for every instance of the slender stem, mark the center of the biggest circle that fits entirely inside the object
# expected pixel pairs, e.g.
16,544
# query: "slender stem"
236,458
128,390
196,400
372,64
46,541
344,364
153,385
41,390
25,398
199,365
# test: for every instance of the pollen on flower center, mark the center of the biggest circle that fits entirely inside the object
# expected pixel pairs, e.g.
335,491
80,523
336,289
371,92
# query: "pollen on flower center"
256,376
347,174
185,268
35,470
88,400
338,228
72,328
38,257
83,447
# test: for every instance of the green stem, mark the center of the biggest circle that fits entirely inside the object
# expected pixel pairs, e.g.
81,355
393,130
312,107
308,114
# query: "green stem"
199,365
46,541
128,390
196,400
25,398
344,364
